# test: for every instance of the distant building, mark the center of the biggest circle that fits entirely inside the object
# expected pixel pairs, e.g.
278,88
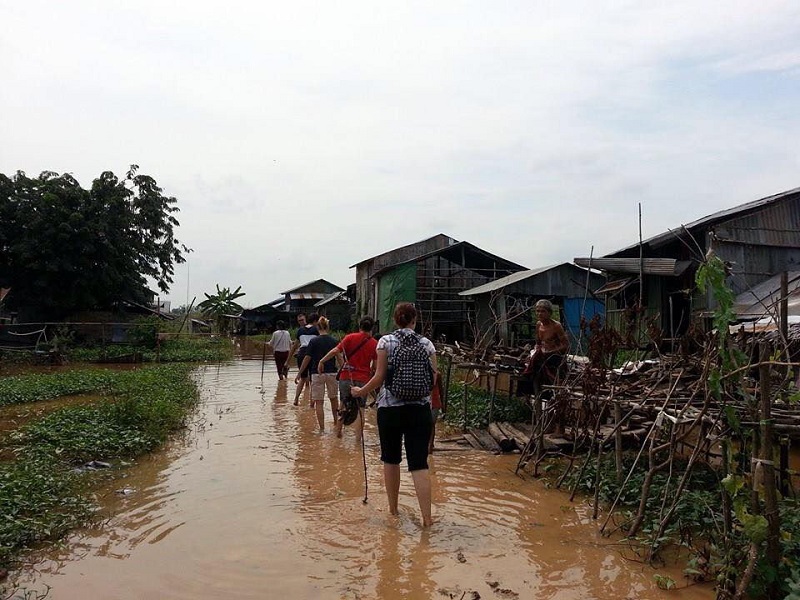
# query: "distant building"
432,280
758,241
504,307
339,308
366,285
303,297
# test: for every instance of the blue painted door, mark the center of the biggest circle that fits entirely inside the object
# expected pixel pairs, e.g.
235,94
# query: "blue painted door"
572,318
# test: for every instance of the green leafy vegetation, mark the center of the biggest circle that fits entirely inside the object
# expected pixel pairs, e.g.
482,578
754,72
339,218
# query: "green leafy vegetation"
40,501
42,496
697,526
216,306
478,402
66,248
33,387
178,349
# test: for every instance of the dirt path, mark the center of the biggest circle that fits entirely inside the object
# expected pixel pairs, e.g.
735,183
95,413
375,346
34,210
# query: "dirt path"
252,503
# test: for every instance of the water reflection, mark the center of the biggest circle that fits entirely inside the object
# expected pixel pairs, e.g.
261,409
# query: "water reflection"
253,502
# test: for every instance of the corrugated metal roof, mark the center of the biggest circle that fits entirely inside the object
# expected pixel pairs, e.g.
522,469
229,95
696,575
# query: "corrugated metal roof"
331,298
505,264
452,241
614,286
669,267
777,225
710,220
498,284
300,287
764,297
762,325
307,296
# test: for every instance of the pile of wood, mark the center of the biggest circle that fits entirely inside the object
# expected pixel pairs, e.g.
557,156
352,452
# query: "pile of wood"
618,406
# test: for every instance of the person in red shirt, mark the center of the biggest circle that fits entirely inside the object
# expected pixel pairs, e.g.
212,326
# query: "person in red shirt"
357,352
436,406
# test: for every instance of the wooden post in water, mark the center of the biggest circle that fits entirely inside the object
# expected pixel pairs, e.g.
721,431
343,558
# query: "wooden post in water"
264,358
538,424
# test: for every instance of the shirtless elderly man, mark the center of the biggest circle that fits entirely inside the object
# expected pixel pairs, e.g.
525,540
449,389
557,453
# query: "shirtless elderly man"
548,354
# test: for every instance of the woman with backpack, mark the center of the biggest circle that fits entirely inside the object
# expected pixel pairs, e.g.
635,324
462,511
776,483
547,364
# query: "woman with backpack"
404,373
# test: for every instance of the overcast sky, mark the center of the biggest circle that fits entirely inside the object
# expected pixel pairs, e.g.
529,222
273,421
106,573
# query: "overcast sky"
302,137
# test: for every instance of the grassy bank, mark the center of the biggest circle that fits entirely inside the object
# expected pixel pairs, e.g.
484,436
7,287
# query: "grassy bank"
42,495
184,349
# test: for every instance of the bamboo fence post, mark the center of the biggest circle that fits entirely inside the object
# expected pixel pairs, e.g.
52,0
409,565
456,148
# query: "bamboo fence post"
656,422
596,503
681,486
539,418
494,394
618,439
785,478
767,463
785,310
465,404
447,384
589,454
728,584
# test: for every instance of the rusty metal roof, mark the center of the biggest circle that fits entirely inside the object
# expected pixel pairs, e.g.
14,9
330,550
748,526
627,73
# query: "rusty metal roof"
615,286
669,267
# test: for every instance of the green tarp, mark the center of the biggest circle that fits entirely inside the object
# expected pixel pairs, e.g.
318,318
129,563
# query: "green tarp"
397,285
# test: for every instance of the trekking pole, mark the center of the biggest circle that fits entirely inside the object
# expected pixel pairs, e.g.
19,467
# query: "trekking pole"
363,454
361,417
263,358
363,433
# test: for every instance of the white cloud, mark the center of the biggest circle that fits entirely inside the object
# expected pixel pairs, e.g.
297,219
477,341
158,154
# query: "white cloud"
302,137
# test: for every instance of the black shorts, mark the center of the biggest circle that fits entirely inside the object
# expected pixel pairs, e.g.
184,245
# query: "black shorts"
299,358
409,424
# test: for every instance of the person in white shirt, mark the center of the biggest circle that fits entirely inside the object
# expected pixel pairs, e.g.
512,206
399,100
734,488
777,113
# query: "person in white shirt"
280,343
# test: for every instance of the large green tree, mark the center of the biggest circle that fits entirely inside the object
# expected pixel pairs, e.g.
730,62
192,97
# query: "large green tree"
65,248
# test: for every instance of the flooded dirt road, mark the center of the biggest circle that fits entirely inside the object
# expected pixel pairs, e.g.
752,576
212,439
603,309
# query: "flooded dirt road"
251,503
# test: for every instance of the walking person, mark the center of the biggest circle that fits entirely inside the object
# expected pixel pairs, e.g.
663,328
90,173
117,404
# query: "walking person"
306,331
280,343
323,378
404,373
358,355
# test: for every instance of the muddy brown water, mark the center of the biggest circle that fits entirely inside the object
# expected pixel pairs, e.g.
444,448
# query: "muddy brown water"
251,502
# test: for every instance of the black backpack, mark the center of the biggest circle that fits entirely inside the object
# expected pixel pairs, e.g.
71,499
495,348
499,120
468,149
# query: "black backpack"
410,375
